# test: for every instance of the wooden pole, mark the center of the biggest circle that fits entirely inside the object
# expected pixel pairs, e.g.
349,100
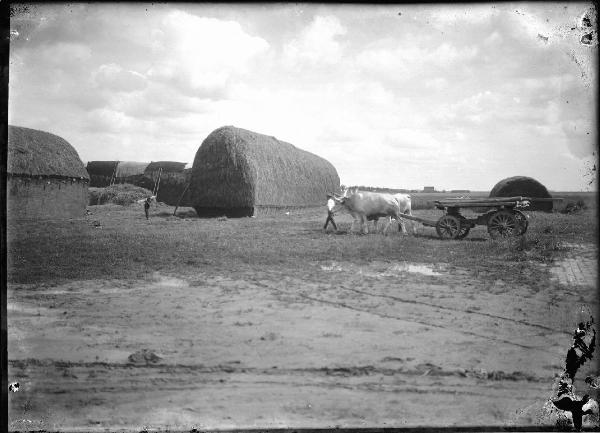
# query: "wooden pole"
155,188
181,198
158,183
114,174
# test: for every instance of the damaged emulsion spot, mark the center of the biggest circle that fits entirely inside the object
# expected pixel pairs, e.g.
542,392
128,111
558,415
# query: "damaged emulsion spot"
587,23
593,382
14,387
19,9
581,350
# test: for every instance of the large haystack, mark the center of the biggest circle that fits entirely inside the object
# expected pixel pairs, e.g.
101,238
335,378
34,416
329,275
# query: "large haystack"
45,177
237,172
526,187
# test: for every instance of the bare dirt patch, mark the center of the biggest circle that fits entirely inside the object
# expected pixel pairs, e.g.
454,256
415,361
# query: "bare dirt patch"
361,348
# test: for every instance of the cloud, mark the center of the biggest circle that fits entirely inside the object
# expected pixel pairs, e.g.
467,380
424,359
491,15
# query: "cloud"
435,96
159,102
438,83
201,55
114,77
443,16
317,43
493,38
107,120
581,136
536,102
65,55
401,61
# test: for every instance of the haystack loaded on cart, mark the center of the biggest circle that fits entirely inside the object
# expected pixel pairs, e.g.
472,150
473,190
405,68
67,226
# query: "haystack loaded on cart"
504,218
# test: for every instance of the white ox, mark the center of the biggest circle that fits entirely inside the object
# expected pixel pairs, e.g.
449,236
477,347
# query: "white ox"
364,206
404,203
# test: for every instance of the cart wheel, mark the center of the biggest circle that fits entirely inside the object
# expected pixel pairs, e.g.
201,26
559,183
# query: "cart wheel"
522,220
448,227
503,224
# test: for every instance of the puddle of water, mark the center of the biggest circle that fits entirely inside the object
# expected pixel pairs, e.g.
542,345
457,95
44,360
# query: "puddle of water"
38,312
376,269
333,267
166,281
415,268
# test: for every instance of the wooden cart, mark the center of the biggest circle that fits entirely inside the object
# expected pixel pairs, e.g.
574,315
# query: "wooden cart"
502,220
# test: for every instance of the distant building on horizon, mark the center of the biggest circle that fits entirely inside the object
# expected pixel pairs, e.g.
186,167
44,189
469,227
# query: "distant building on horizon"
428,189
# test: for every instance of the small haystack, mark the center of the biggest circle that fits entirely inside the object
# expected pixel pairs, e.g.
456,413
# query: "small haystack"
526,187
237,173
172,179
126,169
165,166
45,176
172,188
101,172
123,194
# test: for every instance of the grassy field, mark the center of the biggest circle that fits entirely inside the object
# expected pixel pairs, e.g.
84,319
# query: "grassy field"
180,322
117,242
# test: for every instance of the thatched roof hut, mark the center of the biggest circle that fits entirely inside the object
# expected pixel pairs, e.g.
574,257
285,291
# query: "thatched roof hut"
526,187
45,176
38,153
237,172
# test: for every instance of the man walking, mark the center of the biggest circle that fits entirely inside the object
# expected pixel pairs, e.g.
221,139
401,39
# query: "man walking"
147,206
330,206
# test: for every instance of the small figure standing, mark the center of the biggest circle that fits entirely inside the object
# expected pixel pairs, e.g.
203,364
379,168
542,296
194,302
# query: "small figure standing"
147,206
330,213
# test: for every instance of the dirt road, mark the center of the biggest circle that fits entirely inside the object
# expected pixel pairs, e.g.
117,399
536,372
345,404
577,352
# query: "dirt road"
342,344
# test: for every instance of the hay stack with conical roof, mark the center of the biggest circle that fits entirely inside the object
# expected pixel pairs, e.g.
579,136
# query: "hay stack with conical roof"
526,187
237,172
45,176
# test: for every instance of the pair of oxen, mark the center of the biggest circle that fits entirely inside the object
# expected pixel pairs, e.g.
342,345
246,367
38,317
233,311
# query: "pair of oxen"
365,206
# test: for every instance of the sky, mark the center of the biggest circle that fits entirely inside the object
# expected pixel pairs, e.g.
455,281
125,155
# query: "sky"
397,96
